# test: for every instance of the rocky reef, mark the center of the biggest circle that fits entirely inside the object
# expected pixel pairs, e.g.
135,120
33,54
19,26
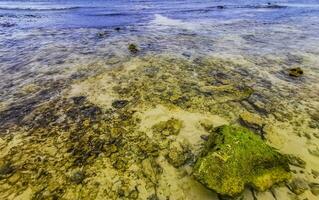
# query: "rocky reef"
235,157
135,131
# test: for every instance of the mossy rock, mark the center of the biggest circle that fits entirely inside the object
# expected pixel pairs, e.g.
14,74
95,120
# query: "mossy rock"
133,48
179,154
169,127
235,157
295,72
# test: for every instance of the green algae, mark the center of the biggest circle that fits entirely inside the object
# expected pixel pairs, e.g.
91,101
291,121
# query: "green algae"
235,157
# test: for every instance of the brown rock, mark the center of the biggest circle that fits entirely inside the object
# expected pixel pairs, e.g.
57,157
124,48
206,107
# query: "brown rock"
295,72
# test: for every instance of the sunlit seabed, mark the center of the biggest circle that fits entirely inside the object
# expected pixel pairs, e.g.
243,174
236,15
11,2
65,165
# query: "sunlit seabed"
78,109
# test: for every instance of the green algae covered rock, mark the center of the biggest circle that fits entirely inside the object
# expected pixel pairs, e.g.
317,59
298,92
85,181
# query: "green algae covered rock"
235,157
169,127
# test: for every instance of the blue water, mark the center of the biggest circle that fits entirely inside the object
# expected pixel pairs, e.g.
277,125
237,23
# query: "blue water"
40,39
106,13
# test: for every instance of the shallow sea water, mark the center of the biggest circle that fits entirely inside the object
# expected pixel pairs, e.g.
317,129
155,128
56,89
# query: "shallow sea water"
64,66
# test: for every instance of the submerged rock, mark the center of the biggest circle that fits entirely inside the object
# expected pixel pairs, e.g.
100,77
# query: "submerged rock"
77,177
178,154
235,157
298,186
295,72
169,127
252,121
102,34
133,48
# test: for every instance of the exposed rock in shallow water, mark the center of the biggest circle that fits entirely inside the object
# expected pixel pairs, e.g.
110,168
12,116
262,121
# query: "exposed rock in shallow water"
295,72
169,127
235,157
178,154
133,48
252,121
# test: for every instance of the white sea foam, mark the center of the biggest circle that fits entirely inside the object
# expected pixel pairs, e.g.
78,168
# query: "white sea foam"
161,20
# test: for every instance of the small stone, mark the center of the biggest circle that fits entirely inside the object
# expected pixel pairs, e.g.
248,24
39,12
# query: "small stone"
78,177
298,186
102,34
204,137
133,48
295,72
251,120
78,100
117,28
119,103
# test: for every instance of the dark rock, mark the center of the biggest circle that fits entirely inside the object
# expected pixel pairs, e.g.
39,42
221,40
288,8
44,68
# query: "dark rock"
117,28
220,7
119,103
204,137
79,100
6,169
102,34
133,48
295,72
251,120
